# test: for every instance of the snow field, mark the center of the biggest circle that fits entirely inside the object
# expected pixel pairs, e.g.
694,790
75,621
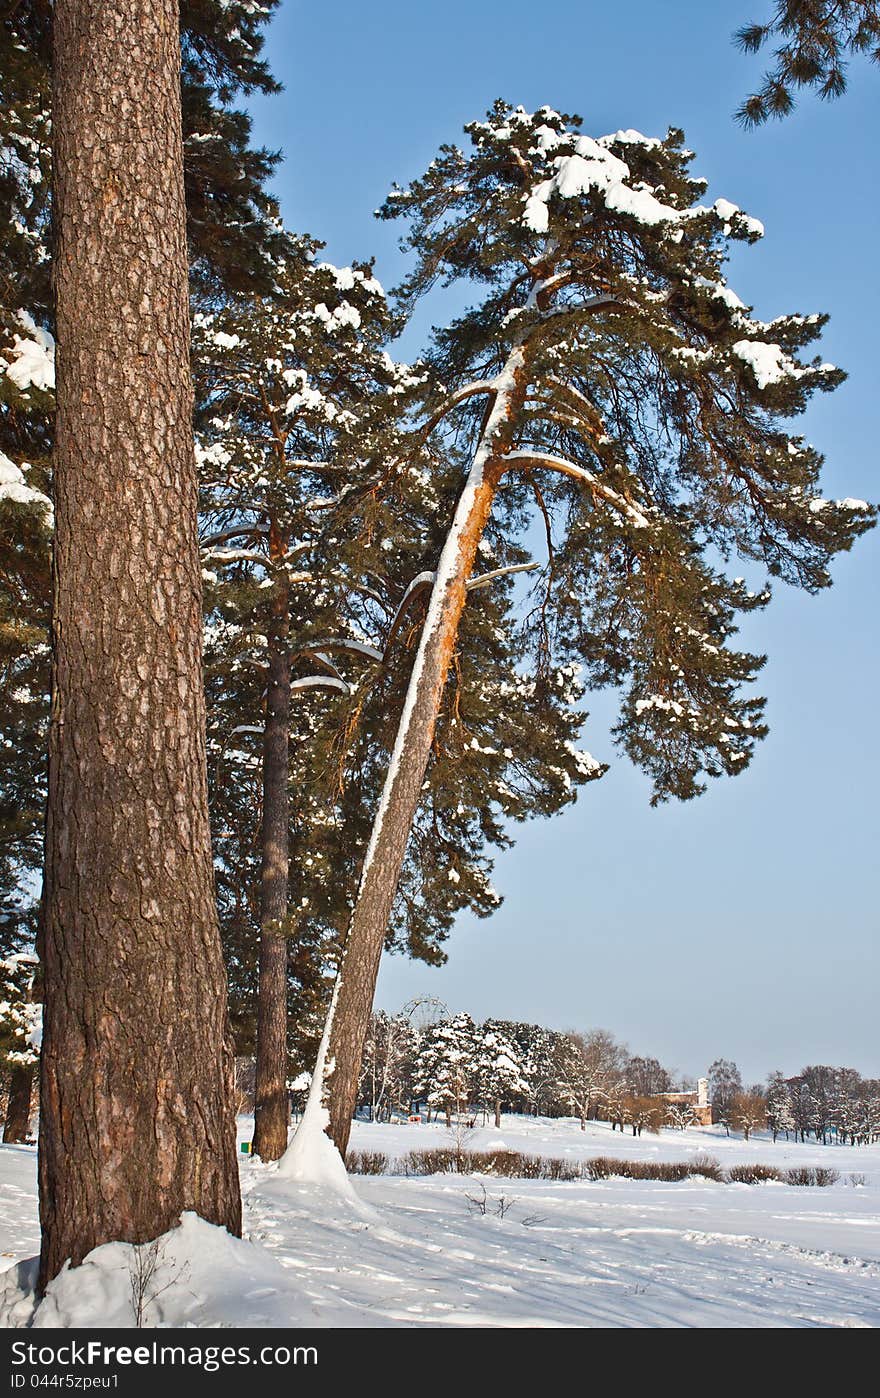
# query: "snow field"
464,1251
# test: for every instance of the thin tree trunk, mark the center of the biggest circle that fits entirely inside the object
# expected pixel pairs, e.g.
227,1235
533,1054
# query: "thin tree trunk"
403,784
18,1107
137,1067
271,1110
497,1114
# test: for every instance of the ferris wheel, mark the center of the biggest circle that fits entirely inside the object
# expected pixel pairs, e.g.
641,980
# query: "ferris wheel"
425,1010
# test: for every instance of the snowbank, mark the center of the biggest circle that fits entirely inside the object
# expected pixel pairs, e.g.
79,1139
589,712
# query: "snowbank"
194,1275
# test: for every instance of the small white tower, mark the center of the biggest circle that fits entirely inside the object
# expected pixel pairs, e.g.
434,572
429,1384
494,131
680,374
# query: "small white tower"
702,1092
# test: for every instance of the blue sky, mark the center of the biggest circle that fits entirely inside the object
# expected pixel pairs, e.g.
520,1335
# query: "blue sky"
743,924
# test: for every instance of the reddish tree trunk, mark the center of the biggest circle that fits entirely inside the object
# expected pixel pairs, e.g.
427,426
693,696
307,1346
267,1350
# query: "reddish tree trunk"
403,784
271,1113
137,1068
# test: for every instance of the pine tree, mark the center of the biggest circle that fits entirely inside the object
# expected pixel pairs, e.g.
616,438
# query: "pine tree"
296,395
817,39
446,1066
136,1067
846,1104
26,384
26,381
498,1069
779,1113
541,1053
231,218
612,376
26,404
20,1027
25,538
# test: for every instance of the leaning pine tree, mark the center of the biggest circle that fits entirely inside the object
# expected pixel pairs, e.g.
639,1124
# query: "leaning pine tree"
136,1070
610,374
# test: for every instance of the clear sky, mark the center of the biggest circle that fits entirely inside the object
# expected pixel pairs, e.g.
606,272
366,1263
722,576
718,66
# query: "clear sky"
743,924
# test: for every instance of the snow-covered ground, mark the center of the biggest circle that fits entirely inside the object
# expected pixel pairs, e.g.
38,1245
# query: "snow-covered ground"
422,1252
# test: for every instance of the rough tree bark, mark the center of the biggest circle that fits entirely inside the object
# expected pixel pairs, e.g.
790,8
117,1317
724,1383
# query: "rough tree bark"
271,1114
137,1067
18,1107
400,798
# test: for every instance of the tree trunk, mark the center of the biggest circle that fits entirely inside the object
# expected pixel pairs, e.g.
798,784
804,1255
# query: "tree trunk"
271,1115
18,1107
137,1067
403,783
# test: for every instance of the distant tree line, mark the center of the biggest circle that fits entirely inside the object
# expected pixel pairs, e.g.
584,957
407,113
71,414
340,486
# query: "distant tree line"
457,1067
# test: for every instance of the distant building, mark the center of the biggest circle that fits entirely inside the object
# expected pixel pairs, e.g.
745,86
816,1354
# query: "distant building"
697,1101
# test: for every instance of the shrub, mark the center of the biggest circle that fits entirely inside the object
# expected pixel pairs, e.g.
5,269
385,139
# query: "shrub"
430,1162
599,1168
825,1176
366,1162
752,1174
514,1164
603,1167
560,1170
707,1166
801,1174
504,1164
508,1164
670,1171
804,1175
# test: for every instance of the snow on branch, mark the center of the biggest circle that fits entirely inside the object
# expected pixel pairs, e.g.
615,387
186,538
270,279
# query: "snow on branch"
320,682
319,658
485,578
244,531
419,584
459,396
234,556
579,308
529,457
342,643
